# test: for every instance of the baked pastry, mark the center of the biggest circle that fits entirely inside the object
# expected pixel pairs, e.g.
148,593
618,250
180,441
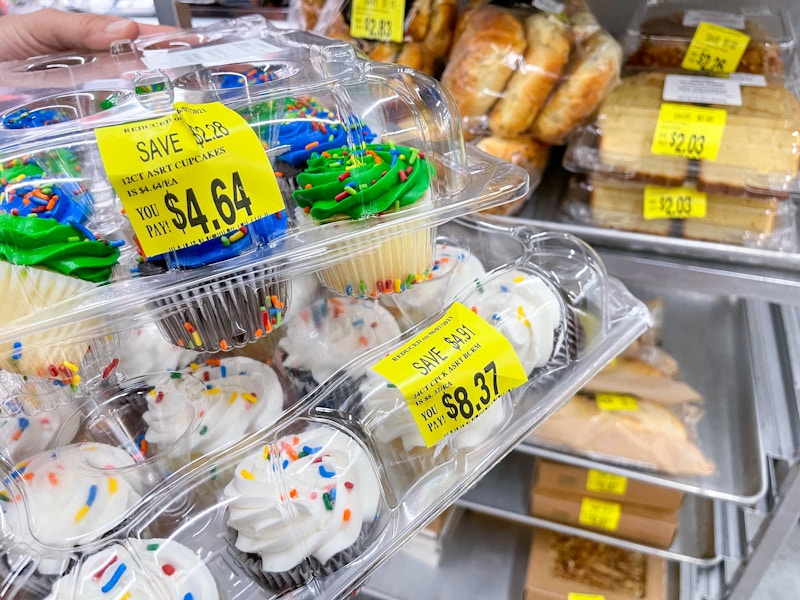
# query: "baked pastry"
138,568
621,206
626,123
379,179
548,40
523,151
303,505
145,351
24,436
666,39
593,71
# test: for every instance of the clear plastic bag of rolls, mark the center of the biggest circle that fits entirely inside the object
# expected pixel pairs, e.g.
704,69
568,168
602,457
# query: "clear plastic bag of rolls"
518,71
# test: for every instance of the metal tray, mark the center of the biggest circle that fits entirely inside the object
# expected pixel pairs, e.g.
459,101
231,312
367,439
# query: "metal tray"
719,365
505,492
485,558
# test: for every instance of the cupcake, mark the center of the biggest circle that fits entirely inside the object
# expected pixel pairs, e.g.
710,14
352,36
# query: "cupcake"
453,270
242,396
327,335
68,497
303,506
372,181
146,351
223,312
24,436
48,255
138,568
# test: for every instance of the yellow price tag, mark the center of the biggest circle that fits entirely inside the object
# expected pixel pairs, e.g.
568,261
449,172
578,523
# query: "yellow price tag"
193,175
452,372
715,49
690,131
606,483
673,203
618,402
574,596
381,20
600,514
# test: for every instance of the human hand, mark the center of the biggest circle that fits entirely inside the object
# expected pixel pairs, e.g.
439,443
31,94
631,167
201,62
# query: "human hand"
49,30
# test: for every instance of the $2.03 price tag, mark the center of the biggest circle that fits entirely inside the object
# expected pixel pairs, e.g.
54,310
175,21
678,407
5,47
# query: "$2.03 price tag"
452,372
606,483
715,49
381,20
690,131
190,176
600,514
673,203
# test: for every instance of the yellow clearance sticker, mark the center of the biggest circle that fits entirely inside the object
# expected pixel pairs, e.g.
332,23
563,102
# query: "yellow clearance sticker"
452,372
690,131
616,402
673,203
574,596
381,20
190,176
715,49
600,514
606,483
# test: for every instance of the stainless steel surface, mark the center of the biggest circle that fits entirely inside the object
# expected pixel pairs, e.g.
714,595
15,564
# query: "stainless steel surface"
719,365
485,558
505,492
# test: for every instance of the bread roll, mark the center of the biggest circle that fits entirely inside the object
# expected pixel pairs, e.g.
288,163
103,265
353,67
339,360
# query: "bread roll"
440,30
484,58
418,20
549,41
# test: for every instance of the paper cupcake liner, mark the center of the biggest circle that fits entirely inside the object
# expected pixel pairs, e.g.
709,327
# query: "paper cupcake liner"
333,397
570,342
225,313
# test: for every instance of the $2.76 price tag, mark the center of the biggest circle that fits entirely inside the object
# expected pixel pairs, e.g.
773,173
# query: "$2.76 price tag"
190,176
452,372
690,131
381,20
673,203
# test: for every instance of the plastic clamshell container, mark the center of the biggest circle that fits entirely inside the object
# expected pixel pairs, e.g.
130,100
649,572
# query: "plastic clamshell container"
759,141
232,284
367,498
661,31
749,220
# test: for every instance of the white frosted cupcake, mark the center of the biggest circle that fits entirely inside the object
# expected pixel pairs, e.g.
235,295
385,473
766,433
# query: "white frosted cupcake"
146,351
69,497
146,568
303,505
327,335
24,436
243,396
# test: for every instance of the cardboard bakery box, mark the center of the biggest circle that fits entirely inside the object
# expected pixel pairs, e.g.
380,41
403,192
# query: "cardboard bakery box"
628,521
558,477
560,565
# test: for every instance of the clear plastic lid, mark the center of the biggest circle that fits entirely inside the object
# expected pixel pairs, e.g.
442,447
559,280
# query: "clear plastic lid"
662,31
310,504
213,168
669,129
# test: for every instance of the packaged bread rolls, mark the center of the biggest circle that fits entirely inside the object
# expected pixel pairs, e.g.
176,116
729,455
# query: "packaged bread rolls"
427,31
522,71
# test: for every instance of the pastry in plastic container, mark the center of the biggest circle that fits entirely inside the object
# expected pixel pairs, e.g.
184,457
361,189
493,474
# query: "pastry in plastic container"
212,242
516,72
743,219
661,32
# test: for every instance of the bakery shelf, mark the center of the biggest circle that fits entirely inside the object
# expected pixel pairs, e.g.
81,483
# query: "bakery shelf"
505,492
721,365
484,558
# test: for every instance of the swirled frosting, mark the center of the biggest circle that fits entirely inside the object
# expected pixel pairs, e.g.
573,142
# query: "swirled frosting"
242,396
331,332
46,243
139,569
24,436
27,189
524,309
146,351
309,128
305,495
371,180
71,496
